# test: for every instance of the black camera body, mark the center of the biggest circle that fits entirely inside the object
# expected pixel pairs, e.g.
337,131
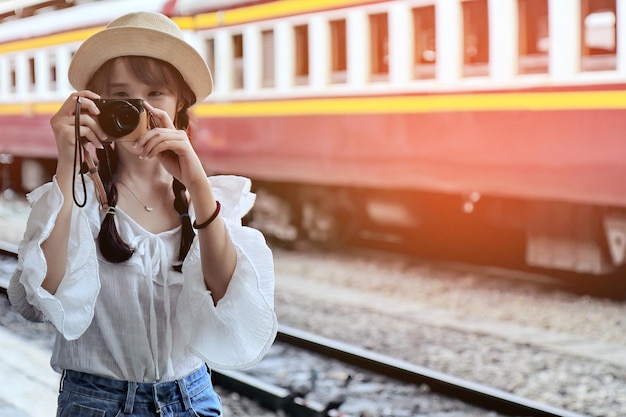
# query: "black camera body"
122,119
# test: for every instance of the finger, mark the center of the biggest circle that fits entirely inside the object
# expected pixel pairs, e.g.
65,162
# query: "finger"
88,123
149,139
91,137
87,105
162,142
161,116
88,94
86,97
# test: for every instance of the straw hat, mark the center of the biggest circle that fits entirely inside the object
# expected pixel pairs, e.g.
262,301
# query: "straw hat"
143,34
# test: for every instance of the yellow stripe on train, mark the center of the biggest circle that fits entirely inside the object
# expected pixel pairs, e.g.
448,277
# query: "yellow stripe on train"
588,100
47,41
268,11
544,101
201,21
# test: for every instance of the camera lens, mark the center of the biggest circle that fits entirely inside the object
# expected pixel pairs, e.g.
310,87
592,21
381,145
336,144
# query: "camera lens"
118,117
126,117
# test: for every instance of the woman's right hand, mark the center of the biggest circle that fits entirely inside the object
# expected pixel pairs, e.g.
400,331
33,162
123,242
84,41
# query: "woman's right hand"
55,246
63,122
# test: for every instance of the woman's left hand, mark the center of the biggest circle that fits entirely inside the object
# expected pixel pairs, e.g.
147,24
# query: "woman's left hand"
173,148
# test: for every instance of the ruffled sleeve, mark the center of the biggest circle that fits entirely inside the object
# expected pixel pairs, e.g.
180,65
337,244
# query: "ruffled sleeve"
71,308
241,328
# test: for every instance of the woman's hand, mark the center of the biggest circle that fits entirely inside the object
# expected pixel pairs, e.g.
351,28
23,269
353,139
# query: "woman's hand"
63,122
172,147
55,247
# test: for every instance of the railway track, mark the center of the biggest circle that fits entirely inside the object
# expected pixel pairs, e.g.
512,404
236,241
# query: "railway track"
256,384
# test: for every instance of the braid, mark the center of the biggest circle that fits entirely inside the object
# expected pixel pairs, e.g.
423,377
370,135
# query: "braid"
113,248
181,204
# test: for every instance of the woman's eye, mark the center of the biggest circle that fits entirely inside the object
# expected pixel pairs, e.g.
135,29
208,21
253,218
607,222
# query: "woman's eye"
120,94
155,93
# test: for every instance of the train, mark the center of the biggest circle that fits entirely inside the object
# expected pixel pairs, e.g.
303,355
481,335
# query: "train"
378,118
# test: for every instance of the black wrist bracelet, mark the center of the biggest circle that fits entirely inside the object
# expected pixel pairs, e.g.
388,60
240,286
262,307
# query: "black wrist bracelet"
208,222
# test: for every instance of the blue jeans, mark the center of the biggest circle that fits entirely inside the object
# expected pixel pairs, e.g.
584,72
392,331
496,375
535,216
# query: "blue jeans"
86,395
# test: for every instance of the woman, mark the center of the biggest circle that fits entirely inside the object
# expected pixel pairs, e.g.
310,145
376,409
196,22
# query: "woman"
142,296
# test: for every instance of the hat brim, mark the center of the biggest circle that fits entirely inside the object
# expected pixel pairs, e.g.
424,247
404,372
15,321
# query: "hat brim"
136,41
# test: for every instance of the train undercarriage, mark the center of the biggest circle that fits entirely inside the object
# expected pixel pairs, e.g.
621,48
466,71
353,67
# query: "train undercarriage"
547,235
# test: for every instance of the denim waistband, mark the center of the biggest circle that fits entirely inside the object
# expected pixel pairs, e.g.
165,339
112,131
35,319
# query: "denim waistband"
160,394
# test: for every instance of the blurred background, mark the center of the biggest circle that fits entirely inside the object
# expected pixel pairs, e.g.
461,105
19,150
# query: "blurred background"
463,121
480,133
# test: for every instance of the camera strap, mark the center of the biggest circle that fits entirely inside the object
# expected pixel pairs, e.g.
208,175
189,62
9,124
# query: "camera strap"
82,157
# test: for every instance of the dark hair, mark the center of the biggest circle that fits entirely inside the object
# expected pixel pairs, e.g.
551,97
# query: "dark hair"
152,72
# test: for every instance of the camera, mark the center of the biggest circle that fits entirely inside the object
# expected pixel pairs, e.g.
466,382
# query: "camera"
122,119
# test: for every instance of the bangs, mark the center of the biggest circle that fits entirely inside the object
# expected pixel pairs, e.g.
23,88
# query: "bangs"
153,72
150,71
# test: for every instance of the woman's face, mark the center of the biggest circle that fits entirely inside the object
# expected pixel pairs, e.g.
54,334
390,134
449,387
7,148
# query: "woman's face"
123,84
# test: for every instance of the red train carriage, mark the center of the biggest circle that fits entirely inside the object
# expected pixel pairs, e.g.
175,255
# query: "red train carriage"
402,114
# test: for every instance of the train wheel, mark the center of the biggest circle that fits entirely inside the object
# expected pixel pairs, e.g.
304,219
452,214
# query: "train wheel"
329,218
273,216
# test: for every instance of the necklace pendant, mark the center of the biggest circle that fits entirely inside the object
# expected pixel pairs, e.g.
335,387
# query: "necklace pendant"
148,208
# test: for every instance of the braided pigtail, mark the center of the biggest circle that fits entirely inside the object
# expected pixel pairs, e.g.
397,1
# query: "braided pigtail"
112,247
181,204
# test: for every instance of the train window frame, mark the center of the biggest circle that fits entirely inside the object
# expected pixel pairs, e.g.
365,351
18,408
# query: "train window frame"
12,70
268,58
22,77
209,49
379,45
594,59
7,77
32,74
476,48
52,69
301,54
533,43
424,37
237,82
338,50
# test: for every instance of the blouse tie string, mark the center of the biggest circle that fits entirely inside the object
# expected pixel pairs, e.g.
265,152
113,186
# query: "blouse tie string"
159,268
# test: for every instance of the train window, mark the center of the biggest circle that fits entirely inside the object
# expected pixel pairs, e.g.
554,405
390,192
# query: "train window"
13,76
210,54
302,54
425,42
267,64
534,36
379,41
32,79
599,40
476,38
52,71
338,41
4,77
237,62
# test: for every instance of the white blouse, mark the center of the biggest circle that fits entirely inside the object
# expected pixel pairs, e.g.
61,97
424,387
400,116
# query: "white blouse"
141,320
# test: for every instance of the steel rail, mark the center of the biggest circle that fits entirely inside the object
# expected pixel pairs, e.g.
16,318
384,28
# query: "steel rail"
277,398
267,395
482,396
